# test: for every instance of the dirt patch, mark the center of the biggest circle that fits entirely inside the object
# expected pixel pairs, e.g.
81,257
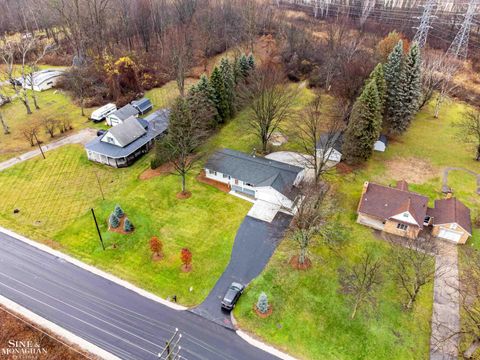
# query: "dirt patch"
262,315
183,195
412,170
297,266
164,169
220,186
343,168
186,268
157,257
119,229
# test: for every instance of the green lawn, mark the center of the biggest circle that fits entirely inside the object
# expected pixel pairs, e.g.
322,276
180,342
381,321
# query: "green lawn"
55,195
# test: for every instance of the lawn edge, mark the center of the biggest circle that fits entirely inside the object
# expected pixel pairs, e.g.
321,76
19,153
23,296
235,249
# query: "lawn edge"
93,270
265,347
54,328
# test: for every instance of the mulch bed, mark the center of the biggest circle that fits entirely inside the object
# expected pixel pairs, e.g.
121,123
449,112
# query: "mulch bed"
343,168
157,257
262,315
164,169
296,265
119,229
220,186
184,195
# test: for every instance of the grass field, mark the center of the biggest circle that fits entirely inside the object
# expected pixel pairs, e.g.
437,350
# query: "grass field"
55,195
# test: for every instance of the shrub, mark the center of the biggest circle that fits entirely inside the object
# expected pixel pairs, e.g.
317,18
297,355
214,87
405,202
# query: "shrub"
156,245
262,303
118,211
186,257
114,221
127,225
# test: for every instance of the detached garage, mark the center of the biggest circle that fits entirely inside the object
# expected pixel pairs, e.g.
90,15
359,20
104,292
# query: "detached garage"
451,220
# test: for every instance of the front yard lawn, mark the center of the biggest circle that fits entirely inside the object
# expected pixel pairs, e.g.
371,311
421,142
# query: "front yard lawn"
55,195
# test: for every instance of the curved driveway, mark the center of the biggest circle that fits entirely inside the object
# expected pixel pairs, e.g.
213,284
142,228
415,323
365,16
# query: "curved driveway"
254,245
108,315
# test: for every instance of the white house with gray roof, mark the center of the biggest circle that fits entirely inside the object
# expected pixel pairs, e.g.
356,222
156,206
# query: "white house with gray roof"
121,145
122,114
261,179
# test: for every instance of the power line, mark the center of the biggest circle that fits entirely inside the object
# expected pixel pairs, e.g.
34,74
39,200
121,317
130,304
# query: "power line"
422,30
459,46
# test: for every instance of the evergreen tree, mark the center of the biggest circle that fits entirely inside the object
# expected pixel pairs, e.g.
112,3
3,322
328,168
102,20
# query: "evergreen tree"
391,70
203,102
114,221
244,66
364,126
251,61
118,211
409,91
226,70
127,225
218,86
378,76
262,303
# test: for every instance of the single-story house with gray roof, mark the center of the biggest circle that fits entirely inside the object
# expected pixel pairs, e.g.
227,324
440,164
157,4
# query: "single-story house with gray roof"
122,114
258,177
121,145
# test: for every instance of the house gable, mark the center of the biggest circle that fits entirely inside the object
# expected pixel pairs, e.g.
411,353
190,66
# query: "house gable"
406,217
109,138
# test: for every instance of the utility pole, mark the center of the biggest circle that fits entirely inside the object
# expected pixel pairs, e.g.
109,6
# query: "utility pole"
38,143
425,20
459,47
98,229
171,351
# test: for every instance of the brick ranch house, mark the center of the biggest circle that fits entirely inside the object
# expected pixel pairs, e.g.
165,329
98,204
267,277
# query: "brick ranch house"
399,211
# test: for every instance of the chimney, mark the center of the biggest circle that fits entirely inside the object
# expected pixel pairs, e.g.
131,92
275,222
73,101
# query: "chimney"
365,187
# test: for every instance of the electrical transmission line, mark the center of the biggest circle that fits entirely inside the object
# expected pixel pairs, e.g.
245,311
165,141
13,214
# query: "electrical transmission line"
459,47
368,6
425,21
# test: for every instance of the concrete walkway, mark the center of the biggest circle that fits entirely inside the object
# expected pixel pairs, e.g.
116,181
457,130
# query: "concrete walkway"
445,338
81,137
446,188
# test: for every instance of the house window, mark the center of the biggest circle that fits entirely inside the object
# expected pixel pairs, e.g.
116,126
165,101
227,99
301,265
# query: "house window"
402,227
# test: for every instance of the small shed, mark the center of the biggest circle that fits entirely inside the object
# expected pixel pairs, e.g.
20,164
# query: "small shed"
143,105
122,114
381,144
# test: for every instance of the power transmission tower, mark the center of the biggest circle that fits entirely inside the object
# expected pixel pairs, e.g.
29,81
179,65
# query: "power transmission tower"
425,21
171,351
367,8
459,47
320,7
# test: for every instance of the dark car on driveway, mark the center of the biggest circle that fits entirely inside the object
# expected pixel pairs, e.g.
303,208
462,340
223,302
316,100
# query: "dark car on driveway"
232,295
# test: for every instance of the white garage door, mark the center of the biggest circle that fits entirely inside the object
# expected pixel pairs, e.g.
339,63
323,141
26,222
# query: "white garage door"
450,235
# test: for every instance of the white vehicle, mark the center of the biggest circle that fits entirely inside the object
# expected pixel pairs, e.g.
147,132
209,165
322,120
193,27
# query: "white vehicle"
101,113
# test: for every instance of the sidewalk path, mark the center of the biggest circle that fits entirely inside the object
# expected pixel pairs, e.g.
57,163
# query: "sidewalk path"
81,137
446,188
446,307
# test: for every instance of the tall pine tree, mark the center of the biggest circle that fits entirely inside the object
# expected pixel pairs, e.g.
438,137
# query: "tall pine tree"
216,80
251,61
392,70
378,76
227,72
409,91
203,102
364,126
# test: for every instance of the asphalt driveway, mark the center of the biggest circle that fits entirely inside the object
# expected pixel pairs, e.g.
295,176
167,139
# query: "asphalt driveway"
254,245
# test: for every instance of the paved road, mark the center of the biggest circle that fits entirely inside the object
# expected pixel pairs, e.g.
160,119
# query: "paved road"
106,314
254,245
81,137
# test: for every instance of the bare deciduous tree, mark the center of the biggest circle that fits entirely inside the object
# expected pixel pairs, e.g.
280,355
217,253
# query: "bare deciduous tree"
362,280
468,130
50,124
315,128
413,266
6,128
30,132
269,99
